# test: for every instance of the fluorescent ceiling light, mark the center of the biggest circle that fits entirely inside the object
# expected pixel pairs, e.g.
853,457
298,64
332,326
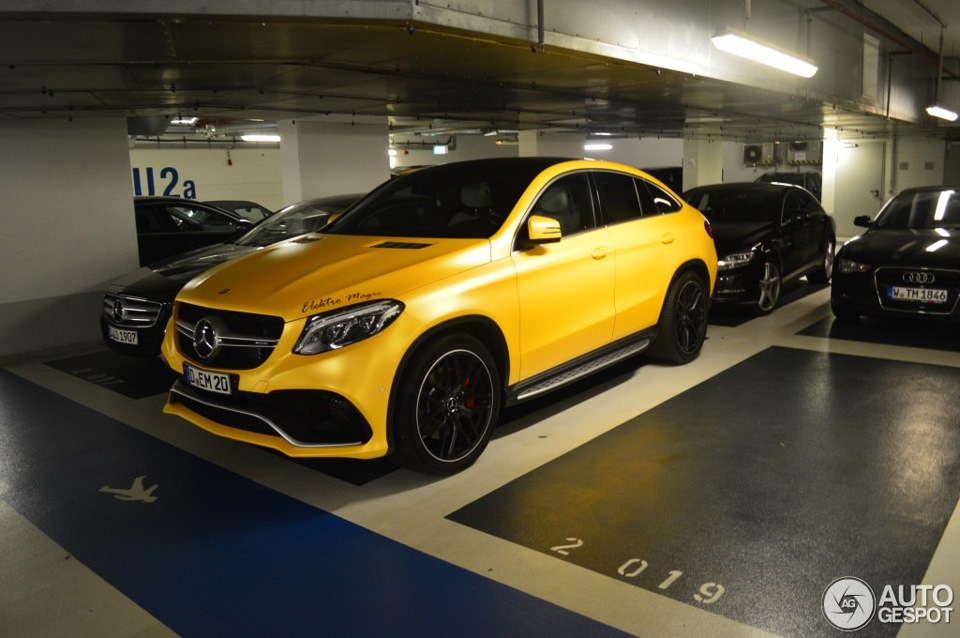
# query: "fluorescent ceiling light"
745,46
184,121
597,147
944,114
260,137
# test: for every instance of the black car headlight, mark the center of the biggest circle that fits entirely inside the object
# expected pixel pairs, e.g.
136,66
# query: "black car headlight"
736,260
332,330
850,266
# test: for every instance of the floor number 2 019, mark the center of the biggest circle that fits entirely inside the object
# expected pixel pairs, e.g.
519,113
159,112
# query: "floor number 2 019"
633,568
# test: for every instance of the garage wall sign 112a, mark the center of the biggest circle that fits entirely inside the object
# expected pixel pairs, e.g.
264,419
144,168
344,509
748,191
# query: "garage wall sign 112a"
165,182
459,288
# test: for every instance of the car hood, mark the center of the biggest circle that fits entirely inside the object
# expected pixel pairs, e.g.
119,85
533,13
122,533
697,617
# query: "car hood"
163,280
732,237
904,248
316,273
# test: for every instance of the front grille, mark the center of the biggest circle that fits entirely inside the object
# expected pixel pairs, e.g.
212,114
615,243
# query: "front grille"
240,340
888,277
125,311
305,418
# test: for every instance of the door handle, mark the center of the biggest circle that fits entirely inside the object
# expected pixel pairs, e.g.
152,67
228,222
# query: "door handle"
667,238
601,251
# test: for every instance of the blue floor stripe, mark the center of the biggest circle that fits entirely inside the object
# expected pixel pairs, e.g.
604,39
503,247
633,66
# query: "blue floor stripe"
217,554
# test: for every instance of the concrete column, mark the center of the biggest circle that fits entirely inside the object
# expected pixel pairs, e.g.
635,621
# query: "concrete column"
702,162
68,228
320,159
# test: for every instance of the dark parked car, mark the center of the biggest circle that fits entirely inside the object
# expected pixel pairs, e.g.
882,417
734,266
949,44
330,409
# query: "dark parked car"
169,226
136,307
907,263
766,235
251,211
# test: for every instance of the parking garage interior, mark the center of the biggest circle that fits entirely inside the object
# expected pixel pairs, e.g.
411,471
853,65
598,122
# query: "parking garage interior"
718,498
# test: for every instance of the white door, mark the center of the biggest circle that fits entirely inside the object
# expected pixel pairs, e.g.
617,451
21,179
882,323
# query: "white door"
859,185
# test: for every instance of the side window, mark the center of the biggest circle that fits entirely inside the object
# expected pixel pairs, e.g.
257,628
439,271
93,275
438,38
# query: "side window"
618,197
810,205
792,208
664,201
568,201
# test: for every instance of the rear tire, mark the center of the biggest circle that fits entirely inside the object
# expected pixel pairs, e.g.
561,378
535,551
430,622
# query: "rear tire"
683,320
448,404
824,271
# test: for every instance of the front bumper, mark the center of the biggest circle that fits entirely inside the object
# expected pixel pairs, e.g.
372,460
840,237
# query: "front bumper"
867,294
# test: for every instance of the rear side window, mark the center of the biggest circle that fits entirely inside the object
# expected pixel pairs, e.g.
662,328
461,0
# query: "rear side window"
664,201
618,197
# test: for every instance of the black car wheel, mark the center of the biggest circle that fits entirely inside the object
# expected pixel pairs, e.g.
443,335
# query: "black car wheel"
683,320
770,284
449,400
824,272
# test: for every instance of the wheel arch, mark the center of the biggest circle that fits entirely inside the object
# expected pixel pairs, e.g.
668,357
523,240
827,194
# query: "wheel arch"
480,327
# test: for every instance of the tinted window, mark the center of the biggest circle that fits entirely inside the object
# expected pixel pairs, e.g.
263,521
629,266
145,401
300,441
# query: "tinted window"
568,201
726,205
618,197
919,210
664,201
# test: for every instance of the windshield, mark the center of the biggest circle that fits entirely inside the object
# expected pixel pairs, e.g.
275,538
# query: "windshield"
299,219
918,210
469,200
737,206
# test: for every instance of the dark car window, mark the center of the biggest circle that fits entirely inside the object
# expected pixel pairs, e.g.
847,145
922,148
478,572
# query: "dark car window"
618,197
665,202
919,210
443,201
568,201
722,205
792,207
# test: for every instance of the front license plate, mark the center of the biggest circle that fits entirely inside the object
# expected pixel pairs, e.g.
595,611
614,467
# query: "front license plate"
922,295
206,380
128,337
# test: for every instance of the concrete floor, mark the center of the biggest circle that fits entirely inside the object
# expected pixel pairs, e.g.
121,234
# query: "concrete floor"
242,541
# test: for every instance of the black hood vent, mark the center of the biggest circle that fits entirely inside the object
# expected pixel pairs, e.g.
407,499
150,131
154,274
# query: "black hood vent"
400,244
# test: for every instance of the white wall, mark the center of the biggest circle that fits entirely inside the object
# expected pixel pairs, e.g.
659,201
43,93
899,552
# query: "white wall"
67,227
206,174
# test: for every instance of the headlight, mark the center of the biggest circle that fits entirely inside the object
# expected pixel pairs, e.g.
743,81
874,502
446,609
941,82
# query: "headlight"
848,266
332,330
735,260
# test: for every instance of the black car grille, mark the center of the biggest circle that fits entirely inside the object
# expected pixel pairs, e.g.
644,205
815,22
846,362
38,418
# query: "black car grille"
920,279
125,311
306,418
233,340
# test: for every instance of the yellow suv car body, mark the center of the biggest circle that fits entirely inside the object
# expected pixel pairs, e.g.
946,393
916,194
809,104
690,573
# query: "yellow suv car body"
405,325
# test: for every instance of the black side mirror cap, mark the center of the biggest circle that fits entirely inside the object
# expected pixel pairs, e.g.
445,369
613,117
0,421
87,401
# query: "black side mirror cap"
862,220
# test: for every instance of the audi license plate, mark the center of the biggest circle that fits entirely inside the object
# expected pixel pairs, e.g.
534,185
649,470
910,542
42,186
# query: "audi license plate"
922,295
207,380
128,337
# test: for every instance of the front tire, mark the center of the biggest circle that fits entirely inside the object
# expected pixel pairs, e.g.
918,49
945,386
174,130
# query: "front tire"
683,320
448,404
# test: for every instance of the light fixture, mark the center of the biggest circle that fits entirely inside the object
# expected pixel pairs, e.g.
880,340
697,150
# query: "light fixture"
936,110
745,46
184,121
599,146
260,137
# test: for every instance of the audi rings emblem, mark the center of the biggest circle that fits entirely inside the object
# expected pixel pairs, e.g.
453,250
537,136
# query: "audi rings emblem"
206,338
118,311
919,277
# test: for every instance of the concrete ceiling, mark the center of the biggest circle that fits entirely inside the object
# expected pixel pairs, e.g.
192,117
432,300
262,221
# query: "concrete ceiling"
232,72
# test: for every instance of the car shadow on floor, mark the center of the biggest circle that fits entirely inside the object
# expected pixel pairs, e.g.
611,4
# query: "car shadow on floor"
893,332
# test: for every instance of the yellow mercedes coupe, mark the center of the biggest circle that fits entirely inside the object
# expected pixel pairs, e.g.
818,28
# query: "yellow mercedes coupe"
405,325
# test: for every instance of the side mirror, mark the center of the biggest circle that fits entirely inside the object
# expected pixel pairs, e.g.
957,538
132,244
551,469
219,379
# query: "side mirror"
543,230
862,220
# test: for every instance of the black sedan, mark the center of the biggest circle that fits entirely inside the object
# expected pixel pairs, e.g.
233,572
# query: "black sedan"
169,226
767,235
136,307
907,263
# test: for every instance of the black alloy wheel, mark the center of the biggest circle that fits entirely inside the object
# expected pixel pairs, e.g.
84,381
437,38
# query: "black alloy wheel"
448,405
683,320
824,271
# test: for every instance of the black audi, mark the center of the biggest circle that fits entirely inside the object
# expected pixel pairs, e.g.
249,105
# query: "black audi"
767,235
907,263
136,307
